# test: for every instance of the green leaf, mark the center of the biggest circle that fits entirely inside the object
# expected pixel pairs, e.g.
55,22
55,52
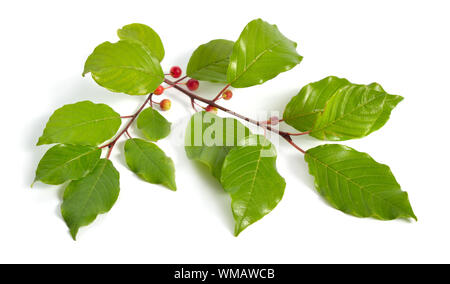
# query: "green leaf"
354,111
144,35
94,194
125,67
209,138
356,184
304,109
390,103
260,54
209,62
82,123
250,176
150,163
67,162
153,125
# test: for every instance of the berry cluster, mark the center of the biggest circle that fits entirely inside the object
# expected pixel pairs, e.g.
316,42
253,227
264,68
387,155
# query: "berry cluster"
192,85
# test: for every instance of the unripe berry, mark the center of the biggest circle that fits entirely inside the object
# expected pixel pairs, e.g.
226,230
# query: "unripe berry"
227,95
175,71
159,90
211,109
165,104
192,84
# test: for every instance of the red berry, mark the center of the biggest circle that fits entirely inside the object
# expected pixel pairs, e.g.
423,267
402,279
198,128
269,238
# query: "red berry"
192,84
211,109
159,90
227,95
165,104
175,71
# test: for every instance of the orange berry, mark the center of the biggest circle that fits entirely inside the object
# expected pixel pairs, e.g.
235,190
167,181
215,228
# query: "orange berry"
211,109
165,104
159,90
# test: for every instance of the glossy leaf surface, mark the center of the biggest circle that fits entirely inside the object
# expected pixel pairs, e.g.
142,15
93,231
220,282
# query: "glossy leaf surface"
82,123
353,112
250,176
260,54
125,67
303,111
356,184
144,35
90,196
210,61
66,162
209,138
150,163
153,125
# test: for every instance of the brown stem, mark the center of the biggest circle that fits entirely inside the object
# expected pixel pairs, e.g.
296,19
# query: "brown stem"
284,135
193,104
133,117
289,140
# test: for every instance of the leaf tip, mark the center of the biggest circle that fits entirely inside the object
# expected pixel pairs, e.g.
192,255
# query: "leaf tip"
239,228
85,71
41,141
172,186
73,233
237,231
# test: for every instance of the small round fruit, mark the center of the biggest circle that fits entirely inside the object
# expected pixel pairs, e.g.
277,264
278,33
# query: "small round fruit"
211,109
227,95
159,90
192,84
175,71
165,104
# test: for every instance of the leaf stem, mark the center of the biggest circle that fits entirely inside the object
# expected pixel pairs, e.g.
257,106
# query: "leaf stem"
221,92
133,117
300,134
285,135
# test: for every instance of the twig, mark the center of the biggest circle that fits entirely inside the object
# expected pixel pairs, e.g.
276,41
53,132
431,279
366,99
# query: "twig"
283,134
133,117
220,93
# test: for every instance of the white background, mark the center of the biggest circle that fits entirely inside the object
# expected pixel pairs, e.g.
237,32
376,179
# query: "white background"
404,45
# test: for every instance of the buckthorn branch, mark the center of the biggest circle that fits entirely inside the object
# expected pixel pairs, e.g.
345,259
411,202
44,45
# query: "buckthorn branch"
212,103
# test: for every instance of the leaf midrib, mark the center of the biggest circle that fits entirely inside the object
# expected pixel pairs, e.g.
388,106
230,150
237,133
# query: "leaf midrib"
346,114
91,190
71,160
361,187
209,64
303,114
81,124
247,67
155,165
142,70
252,187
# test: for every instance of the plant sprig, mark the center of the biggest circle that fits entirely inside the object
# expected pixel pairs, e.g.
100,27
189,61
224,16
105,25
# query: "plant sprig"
244,163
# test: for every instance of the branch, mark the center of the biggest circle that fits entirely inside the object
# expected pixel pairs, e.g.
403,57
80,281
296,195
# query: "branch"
283,134
133,117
